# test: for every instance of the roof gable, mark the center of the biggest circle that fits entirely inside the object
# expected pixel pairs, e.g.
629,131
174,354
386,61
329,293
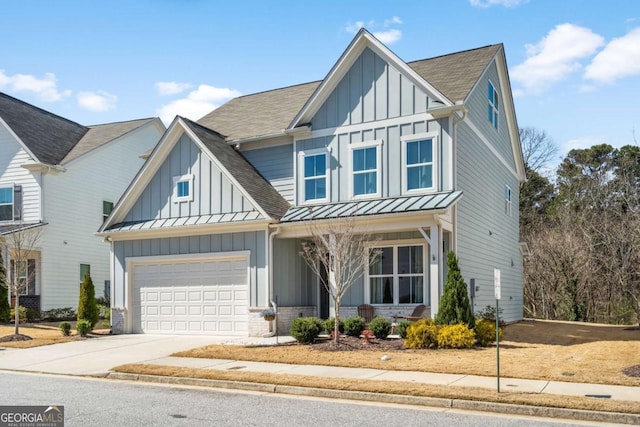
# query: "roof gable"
46,136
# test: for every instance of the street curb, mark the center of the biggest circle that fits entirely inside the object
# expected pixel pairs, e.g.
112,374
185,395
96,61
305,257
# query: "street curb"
468,405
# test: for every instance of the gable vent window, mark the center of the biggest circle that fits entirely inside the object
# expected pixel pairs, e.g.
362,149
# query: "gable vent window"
183,188
492,109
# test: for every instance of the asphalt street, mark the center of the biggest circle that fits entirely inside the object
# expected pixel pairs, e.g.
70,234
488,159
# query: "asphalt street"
100,402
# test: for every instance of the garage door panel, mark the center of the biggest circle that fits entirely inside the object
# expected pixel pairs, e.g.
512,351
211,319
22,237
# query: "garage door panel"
203,297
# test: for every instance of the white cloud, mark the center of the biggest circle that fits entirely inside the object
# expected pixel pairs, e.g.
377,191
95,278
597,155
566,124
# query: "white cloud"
172,88
97,101
555,57
581,143
197,103
386,35
45,88
620,58
489,3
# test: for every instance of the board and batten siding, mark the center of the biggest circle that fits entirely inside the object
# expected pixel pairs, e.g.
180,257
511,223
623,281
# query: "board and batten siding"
293,283
371,90
339,145
74,212
275,164
477,105
253,241
12,157
487,238
213,192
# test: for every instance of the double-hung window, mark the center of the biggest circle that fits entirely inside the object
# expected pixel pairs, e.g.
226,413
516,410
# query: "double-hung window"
107,207
6,203
397,275
419,163
507,200
492,108
183,188
365,169
315,175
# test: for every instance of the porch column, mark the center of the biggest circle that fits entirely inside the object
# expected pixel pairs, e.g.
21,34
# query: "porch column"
435,263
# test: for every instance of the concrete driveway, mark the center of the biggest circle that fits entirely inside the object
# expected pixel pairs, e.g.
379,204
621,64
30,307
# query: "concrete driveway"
99,355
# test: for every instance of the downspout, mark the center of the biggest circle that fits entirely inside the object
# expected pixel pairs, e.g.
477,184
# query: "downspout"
270,296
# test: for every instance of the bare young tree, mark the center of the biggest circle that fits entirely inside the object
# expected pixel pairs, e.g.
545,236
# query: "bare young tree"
335,248
538,149
21,246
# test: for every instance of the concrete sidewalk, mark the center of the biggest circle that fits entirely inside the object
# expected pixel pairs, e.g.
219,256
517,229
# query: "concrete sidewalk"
603,391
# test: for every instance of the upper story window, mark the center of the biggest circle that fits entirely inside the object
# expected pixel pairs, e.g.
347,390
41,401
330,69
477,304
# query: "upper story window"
365,169
315,175
6,203
493,109
183,188
107,207
507,200
419,165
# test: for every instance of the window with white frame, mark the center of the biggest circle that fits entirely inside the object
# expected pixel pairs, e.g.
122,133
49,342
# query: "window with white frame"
365,169
107,207
315,175
419,165
183,188
6,203
507,200
397,275
492,108
24,272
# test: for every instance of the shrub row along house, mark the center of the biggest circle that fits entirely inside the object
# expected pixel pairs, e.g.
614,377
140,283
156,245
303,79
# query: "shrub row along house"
425,156
62,179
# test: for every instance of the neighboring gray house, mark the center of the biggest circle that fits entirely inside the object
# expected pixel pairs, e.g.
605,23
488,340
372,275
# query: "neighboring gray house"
63,178
427,153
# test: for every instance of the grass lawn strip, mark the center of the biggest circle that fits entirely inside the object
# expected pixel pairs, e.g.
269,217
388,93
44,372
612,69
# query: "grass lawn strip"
390,387
42,334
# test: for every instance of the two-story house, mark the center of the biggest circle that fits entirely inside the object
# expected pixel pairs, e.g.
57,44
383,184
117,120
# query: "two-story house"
424,155
62,179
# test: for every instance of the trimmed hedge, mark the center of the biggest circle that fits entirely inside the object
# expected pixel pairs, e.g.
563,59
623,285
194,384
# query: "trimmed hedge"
380,327
422,334
305,329
354,326
456,336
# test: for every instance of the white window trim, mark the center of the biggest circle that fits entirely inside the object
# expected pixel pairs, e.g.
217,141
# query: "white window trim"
495,119
507,202
13,201
396,284
367,144
301,179
434,145
183,178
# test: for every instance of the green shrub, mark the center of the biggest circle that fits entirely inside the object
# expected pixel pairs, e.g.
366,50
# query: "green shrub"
65,328
328,326
5,308
87,306
305,329
422,334
486,332
454,303
354,326
104,311
32,315
106,324
489,313
22,313
380,327
105,300
66,313
456,336
83,327
401,328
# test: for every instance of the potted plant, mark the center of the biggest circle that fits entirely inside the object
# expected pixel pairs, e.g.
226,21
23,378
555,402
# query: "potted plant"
268,314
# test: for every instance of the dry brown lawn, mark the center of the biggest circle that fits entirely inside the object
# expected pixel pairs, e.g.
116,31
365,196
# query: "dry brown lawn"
545,350
44,333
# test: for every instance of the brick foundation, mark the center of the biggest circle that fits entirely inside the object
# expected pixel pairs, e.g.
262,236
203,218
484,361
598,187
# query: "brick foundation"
118,320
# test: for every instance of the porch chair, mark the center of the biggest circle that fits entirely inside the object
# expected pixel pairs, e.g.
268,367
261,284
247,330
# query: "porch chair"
366,312
420,312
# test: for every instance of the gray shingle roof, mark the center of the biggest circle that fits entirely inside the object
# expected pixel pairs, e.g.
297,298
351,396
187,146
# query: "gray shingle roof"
268,113
48,136
247,176
99,135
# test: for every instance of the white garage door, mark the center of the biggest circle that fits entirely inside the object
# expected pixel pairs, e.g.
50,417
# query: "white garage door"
206,296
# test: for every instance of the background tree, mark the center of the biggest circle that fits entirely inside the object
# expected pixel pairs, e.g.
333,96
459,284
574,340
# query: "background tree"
337,250
538,149
5,308
454,303
21,245
87,305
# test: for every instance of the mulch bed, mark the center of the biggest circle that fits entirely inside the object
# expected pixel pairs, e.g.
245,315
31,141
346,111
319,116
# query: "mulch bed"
633,371
15,337
347,343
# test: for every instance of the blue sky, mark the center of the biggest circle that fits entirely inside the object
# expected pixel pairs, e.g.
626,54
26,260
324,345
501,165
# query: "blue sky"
574,65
